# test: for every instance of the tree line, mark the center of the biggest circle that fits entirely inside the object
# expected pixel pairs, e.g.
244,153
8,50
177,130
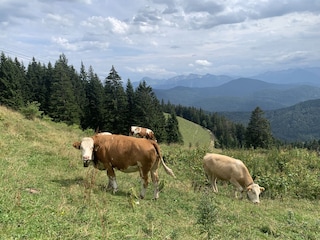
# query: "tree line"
65,95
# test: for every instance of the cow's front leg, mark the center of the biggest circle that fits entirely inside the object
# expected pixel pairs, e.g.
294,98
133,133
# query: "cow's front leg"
113,184
112,181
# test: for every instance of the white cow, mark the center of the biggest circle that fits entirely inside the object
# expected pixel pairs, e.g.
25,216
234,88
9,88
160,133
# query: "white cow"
217,166
142,132
104,133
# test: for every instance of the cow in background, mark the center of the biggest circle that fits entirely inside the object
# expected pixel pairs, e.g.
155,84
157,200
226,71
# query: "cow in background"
142,132
217,166
127,154
104,133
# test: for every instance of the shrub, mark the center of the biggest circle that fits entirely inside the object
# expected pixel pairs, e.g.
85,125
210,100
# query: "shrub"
31,110
207,215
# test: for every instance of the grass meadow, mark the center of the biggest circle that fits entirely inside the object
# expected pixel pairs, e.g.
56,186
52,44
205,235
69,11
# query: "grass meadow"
47,194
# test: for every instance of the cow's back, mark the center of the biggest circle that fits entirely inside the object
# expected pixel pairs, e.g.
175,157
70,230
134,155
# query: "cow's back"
122,151
224,167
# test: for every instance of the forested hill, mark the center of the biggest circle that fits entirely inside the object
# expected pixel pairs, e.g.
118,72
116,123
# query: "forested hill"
241,94
296,123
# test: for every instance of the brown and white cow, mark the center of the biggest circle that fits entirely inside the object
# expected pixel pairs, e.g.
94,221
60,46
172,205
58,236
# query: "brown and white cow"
217,166
142,132
127,154
104,133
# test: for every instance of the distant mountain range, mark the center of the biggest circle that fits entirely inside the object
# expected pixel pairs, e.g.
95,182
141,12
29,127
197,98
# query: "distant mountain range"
307,76
241,94
271,90
289,98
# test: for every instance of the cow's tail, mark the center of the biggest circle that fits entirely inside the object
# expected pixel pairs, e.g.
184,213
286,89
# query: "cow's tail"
166,168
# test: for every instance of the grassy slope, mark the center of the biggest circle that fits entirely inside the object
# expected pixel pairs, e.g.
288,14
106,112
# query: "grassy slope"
193,134
70,202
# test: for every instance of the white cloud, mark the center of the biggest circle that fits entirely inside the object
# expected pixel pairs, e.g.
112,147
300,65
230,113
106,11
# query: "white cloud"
204,63
65,44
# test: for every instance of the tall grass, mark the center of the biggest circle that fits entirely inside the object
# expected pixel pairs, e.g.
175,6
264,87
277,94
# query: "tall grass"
47,194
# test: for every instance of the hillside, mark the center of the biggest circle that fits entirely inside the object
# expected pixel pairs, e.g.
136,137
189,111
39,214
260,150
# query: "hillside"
47,194
194,135
241,94
296,123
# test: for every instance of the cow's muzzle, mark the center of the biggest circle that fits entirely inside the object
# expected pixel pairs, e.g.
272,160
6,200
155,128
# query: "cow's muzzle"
86,163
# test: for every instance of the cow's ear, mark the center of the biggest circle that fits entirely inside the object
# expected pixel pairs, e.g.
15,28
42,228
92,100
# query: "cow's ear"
96,148
249,189
262,189
76,145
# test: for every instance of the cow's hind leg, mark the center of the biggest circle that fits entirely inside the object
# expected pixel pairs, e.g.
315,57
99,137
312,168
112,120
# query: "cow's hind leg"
213,181
144,183
155,180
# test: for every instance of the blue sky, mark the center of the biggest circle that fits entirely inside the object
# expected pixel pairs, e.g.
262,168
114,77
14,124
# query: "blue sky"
164,38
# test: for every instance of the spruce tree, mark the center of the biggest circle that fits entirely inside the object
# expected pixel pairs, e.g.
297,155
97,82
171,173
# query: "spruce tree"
12,78
63,106
35,89
116,104
148,111
258,133
172,130
94,111
130,98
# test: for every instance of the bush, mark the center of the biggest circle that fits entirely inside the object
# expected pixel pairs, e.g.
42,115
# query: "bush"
207,215
31,110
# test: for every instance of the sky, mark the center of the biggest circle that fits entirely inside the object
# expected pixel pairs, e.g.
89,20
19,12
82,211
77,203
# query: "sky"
164,38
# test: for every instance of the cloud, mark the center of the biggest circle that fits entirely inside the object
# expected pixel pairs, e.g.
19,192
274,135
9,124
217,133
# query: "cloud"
165,37
204,63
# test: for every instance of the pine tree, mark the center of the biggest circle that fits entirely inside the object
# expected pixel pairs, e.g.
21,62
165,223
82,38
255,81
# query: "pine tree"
116,104
94,111
63,106
258,133
12,78
48,80
35,88
172,130
148,111
130,98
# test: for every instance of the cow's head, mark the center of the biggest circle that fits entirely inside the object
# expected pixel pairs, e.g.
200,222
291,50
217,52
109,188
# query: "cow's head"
86,146
253,192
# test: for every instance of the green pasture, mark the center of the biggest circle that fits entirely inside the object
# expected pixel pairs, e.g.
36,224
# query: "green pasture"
47,194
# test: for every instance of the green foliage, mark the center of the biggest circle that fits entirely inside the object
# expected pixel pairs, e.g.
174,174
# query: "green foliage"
147,111
258,134
207,212
94,110
11,82
62,104
116,106
31,111
172,130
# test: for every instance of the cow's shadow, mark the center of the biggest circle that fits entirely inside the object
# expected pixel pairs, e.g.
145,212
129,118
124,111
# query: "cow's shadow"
119,192
81,181
69,182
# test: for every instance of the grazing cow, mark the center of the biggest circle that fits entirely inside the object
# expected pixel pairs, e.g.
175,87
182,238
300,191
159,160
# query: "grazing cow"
217,166
142,132
126,154
104,133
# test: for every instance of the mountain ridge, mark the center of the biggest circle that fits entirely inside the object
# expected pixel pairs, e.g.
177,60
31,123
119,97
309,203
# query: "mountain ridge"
241,94
299,122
